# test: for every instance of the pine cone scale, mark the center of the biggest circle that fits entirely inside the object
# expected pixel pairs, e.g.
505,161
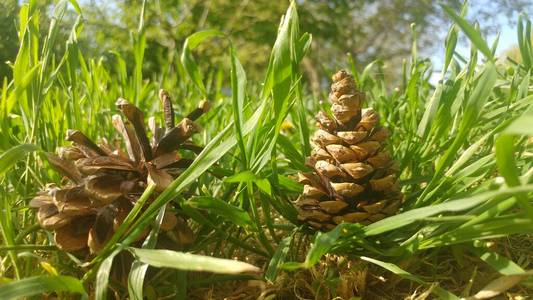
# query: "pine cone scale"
106,182
354,175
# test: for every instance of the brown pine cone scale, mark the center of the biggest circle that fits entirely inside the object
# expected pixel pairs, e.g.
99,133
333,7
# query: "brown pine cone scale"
354,176
106,182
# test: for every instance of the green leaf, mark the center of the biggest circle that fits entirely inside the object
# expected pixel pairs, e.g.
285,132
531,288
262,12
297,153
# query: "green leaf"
38,285
248,176
505,159
191,262
474,105
188,60
242,177
278,258
11,156
411,216
522,126
440,292
218,207
138,269
322,243
238,89
501,264
524,41
102,276
493,228
471,32
76,6
280,66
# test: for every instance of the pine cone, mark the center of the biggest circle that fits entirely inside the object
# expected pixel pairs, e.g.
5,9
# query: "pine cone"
354,176
105,181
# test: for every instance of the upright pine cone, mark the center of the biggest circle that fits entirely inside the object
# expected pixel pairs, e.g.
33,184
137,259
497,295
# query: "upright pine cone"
354,176
105,181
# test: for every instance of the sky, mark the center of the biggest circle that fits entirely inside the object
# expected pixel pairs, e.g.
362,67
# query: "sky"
508,39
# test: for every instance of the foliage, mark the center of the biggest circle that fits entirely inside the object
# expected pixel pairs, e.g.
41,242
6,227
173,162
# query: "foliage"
464,147
365,29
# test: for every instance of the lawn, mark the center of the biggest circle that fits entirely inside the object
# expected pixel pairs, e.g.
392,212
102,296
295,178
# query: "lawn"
196,193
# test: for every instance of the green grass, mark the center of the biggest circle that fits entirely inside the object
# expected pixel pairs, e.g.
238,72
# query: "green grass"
463,147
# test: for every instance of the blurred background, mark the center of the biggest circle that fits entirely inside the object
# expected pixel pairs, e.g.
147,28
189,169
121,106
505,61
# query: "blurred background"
364,29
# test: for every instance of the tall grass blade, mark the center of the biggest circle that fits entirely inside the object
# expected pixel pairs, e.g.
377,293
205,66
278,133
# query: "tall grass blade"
471,32
440,292
38,285
188,60
191,262
10,157
102,276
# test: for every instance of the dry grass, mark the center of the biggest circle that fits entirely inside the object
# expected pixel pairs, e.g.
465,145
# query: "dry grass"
339,278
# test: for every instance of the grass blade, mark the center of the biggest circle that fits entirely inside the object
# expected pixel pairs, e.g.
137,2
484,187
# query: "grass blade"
411,216
229,212
102,276
11,156
138,269
188,60
38,285
238,89
278,258
440,292
470,32
191,262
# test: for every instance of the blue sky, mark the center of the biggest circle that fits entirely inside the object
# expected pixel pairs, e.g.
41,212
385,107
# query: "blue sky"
508,39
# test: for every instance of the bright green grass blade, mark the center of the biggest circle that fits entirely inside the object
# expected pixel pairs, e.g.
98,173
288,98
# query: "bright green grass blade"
247,177
187,58
492,228
322,244
505,159
76,6
238,89
470,32
136,280
475,103
290,151
280,67
221,208
191,262
38,285
440,292
278,258
411,216
25,82
242,177
467,155
524,41
499,263
127,223
304,44
10,157
102,276
430,111
138,269
523,125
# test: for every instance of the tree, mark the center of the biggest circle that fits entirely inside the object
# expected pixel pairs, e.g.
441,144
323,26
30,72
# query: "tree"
367,29
8,35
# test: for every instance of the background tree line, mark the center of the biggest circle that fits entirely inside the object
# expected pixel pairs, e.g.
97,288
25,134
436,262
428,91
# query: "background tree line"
365,29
